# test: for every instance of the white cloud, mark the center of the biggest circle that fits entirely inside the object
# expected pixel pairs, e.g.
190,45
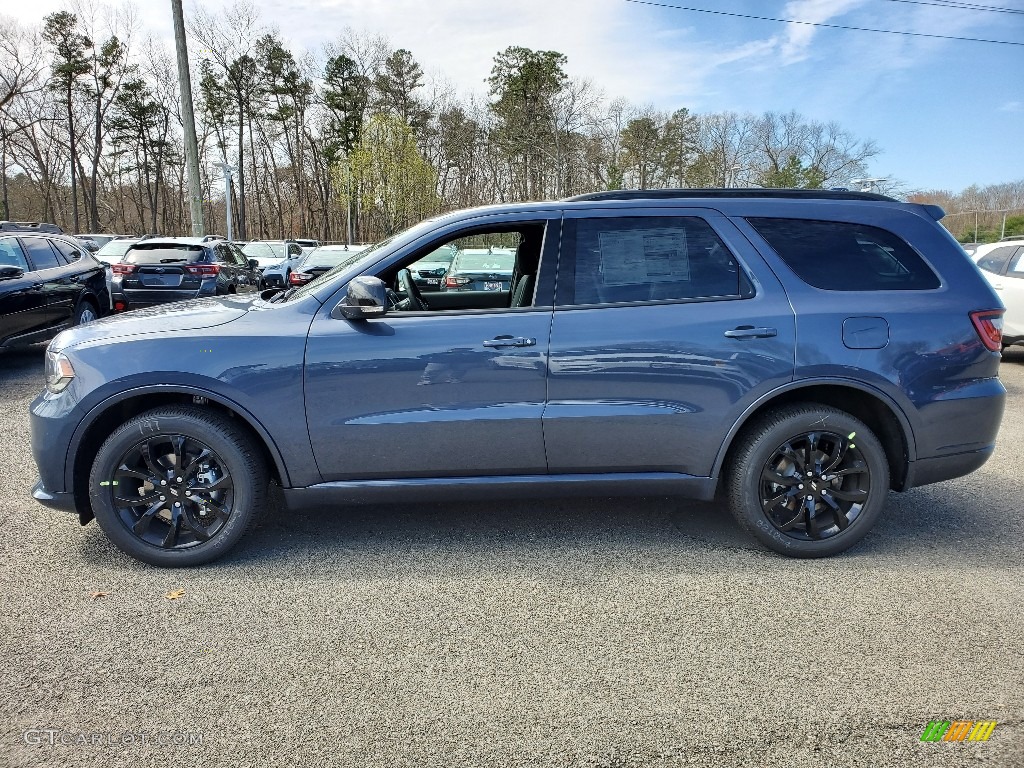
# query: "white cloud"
1012,106
799,37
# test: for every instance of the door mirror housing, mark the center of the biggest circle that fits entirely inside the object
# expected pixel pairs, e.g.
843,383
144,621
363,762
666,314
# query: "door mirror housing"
11,273
253,264
366,297
294,249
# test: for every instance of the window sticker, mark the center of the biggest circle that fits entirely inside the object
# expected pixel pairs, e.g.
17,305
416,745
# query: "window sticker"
636,256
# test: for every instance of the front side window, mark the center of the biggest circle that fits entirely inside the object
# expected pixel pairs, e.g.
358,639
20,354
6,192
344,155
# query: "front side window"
11,254
664,258
842,256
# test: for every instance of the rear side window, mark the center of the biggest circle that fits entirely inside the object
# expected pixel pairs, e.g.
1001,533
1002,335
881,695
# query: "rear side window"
11,254
40,253
996,259
164,254
840,256
658,258
1017,265
67,250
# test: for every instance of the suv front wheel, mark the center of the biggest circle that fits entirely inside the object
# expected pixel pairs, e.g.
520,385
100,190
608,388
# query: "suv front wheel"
808,480
177,486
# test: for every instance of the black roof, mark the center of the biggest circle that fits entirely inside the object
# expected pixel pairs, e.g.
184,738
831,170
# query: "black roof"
734,193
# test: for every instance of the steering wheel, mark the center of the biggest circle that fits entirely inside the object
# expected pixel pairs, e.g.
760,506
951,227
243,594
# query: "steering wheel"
408,286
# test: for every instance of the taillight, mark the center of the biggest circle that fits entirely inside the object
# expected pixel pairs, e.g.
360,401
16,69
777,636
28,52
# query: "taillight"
203,270
455,282
299,278
122,269
120,306
989,325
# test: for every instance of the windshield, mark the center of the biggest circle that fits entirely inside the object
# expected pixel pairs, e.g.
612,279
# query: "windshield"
114,250
264,250
497,260
367,254
330,257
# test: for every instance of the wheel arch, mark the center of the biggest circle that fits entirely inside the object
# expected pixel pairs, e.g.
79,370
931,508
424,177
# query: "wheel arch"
876,409
115,410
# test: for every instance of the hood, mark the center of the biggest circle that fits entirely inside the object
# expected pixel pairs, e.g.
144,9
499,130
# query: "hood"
180,316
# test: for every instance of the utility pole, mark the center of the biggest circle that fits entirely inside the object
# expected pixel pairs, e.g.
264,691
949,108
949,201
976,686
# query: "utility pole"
195,192
228,170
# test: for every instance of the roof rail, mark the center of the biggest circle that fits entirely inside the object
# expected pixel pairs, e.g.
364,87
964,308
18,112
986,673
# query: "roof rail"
732,192
30,226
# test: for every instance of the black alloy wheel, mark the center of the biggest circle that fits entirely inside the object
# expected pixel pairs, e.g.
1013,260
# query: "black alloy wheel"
178,486
807,480
172,491
814,485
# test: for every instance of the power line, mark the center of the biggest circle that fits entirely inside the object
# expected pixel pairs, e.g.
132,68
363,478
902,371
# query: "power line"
830,26
959,6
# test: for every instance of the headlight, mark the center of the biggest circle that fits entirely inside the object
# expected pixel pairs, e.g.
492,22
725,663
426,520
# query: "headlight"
59,371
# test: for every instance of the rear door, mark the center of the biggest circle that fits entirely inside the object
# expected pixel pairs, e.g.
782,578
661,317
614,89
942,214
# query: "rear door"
54,278
667,325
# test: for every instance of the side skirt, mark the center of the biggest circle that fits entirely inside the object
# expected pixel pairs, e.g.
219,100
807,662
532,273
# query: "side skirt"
502,487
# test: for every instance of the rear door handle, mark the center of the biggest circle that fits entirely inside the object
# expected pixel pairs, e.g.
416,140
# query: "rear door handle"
750,332
510,341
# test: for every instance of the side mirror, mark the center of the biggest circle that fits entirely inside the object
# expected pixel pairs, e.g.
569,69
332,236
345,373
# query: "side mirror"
366,297
294,250
253,264
11,273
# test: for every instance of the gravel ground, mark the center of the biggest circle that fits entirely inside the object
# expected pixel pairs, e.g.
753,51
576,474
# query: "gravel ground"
590,632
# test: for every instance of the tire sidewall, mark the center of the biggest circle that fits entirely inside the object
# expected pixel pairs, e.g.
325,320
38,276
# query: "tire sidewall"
221,440
746,481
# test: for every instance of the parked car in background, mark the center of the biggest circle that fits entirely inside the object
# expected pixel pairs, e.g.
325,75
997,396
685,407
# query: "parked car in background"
1002,264
428,272
278,276
47,283
321,260
162,270
307,243
99,239
114,250
797,353
271,253
480,269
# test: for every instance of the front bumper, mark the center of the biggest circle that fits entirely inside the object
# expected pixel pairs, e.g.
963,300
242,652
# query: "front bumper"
61,500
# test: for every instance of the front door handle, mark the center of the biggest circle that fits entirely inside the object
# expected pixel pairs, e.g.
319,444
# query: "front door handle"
510,341
750,332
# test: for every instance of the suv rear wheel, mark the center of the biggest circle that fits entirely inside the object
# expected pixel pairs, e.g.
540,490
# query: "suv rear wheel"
808,480
177,486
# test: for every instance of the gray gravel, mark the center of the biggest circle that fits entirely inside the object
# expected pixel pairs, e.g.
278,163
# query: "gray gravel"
589,632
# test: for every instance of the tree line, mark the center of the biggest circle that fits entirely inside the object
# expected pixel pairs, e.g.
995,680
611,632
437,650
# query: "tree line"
348,143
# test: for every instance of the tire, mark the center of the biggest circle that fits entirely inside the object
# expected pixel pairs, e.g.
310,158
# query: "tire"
85,312
221,494
771,464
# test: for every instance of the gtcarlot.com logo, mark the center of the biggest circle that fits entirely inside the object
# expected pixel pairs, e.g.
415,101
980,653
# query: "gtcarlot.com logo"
58,738
958,730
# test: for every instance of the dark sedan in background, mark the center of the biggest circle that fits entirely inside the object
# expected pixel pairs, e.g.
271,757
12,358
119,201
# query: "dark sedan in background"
162,270
321,260
47,283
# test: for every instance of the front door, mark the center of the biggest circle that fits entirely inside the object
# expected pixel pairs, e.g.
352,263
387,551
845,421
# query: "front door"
456,390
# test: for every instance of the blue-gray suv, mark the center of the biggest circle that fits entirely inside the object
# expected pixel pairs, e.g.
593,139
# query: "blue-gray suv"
797,354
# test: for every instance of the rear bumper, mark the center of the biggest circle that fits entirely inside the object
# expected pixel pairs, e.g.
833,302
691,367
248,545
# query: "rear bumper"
935,470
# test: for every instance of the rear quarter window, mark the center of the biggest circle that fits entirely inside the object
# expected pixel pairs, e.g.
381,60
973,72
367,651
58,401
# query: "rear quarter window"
842,256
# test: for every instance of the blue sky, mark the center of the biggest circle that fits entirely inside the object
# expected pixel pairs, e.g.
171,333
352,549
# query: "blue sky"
945,113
